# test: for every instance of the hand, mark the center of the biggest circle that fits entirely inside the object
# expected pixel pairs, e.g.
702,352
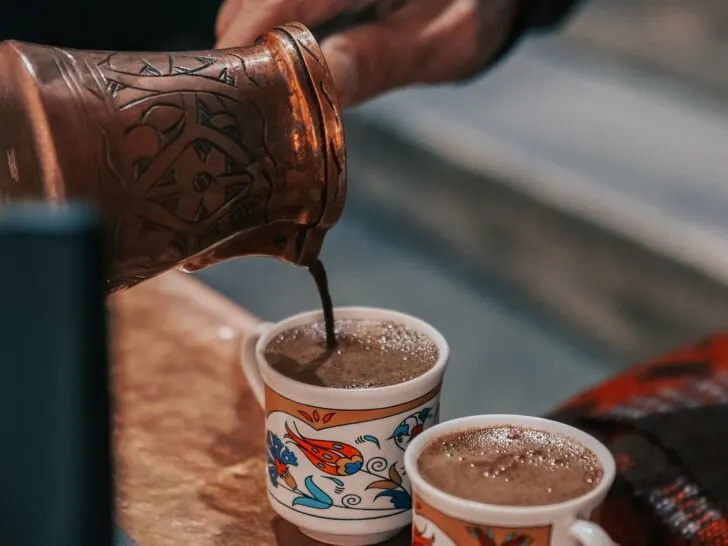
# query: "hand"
411,42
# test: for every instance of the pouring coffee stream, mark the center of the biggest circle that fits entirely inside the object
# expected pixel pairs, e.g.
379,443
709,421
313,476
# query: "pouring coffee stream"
194,157
318,272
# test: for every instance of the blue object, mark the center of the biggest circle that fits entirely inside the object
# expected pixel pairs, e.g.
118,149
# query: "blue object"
55,420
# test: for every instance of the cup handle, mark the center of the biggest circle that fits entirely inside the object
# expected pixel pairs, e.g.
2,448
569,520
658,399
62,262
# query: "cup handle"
589,534
251,366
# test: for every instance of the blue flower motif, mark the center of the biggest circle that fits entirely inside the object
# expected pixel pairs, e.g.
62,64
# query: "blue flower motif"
288,457
402,430
352,468
399,498
275,446
278,451
272,473
279,458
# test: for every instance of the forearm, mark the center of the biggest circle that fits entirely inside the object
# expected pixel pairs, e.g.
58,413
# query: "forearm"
534,15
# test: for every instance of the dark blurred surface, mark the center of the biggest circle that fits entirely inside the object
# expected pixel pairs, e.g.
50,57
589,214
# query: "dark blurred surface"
129,25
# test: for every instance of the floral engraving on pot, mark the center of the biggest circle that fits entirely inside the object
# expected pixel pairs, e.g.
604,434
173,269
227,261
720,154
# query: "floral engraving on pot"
334,465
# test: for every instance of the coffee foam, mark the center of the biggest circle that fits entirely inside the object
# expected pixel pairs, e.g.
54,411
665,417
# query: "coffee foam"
368,354
511,466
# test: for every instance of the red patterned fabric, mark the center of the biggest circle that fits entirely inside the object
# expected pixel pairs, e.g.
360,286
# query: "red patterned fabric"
666,422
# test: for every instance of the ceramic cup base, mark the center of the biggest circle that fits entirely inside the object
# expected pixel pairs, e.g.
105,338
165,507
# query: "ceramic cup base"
350,540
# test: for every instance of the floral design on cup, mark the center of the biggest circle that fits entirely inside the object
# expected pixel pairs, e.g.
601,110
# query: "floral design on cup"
411,427
280,458
335,457
323,461
339,460
433,528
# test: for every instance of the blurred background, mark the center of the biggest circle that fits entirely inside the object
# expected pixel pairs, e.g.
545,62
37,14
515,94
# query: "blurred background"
557,219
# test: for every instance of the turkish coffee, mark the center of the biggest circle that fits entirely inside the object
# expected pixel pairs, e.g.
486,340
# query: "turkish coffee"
511,466
368,354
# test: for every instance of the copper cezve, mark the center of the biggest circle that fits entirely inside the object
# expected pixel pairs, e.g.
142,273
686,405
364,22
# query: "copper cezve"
194,157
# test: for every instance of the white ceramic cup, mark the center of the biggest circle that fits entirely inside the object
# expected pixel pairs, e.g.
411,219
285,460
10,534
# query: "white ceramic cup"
336,456
441,519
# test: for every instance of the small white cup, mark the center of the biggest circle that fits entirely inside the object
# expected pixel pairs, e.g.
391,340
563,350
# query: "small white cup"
442,519
336,456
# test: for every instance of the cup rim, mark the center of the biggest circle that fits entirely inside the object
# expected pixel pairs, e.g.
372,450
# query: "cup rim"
357,312
497,511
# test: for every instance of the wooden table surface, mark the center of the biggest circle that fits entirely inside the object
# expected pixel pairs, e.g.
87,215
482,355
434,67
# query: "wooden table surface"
189,433
190,454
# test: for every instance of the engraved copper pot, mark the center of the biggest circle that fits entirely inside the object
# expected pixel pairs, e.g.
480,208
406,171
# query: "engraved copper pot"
195,157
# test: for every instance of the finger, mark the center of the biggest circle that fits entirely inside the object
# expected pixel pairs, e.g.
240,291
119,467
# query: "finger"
427,41
251,18
225,16
461,41
373,57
